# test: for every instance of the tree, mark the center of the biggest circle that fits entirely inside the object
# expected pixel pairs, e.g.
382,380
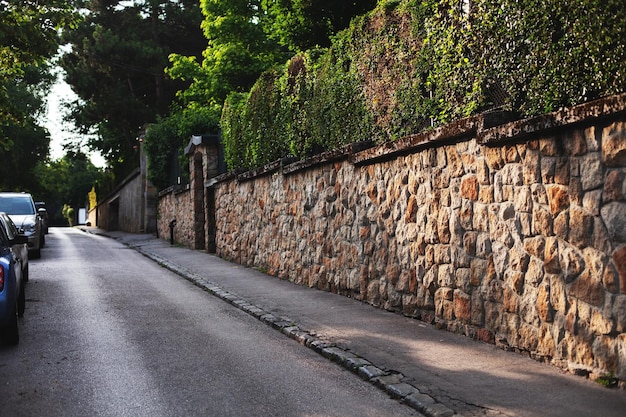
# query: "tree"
305,24
115,66
25,142
28,38
67,181
237,52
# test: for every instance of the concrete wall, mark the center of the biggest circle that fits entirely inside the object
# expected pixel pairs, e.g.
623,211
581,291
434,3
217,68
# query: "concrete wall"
131,207
513,235
119,210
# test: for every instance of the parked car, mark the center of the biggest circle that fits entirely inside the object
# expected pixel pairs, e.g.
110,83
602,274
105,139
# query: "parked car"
21,209
20,249
43,213
13,264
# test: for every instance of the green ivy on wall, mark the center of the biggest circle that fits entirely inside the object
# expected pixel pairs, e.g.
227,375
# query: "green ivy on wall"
411,65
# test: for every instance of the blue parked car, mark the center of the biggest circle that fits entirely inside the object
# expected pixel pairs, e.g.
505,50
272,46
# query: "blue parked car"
13,273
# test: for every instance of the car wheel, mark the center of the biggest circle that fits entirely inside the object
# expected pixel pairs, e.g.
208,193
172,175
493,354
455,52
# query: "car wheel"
10,332
43,240
21,301
36,253
25,274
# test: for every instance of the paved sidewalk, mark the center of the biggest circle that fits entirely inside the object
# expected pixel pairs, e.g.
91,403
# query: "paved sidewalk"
435,372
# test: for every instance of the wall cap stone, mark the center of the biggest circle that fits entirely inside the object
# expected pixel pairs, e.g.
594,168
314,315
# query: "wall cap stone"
456,130
582,113
339,154
174,189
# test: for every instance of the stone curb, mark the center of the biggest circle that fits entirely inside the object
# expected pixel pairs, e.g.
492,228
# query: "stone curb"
392,382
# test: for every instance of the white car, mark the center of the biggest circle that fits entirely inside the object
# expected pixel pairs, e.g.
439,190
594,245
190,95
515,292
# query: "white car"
21,209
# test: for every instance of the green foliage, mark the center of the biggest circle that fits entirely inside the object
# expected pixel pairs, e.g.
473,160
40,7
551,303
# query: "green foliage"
115,65
608,380
409,65
24,143
68,214
305,24
339,114
276,118
232,130
551,54
260,141
29,32
28,39
165,139
251,125
68,181
237,52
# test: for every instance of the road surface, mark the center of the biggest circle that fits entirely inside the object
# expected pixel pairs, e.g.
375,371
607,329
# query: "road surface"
108,332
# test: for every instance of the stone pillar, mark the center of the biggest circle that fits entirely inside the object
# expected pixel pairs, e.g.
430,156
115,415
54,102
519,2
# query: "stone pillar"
204,163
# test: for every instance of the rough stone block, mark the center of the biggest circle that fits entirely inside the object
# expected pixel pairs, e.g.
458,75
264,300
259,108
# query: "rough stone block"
614,217
548,167
531,168
528,337
561,225
615,186
477,309
588,288
619,261
535,246
558,198
562,171
614,144
534,273
511,328
511,300
619,311
571,261
591,171
493,315
600,324
462,306
469,187
576,143
544,306
541,221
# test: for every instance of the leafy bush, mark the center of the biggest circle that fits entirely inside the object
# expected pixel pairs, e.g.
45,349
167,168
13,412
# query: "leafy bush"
550,54
163,139
410,65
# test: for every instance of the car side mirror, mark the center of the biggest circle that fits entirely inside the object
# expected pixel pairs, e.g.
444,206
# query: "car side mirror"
21,240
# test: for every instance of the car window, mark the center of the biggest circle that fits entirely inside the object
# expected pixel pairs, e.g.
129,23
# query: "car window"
9,227
4,240
17,205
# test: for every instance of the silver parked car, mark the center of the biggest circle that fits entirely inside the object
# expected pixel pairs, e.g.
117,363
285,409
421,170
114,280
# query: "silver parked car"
21,209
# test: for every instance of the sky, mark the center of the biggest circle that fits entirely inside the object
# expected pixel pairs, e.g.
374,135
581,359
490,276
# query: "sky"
60,130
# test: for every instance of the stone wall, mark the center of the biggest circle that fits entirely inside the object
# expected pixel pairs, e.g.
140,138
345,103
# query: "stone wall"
176,203
513,234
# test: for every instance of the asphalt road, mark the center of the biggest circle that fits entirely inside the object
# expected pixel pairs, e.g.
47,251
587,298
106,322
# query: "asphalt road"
108,332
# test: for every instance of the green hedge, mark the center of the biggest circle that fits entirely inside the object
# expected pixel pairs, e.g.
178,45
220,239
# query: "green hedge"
410,65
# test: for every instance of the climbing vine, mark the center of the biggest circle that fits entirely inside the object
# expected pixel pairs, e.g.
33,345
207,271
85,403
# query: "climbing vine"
411,65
